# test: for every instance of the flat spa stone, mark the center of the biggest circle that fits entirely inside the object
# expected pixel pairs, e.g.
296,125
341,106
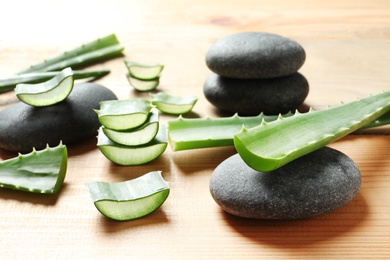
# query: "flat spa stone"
255,55
23,127
312,185
253,96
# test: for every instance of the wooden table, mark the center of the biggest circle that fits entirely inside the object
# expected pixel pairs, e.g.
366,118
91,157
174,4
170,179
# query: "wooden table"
348,55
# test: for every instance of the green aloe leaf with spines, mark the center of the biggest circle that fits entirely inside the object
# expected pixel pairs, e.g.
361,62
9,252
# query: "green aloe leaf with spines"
94,51
271,145
123,114
47,93
143,84
40,171
130,199
138,136
133,155
192,133
173,104
9,83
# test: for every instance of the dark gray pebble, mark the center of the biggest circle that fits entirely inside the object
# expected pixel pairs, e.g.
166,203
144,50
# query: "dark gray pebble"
314,184
23,127
255,55
252,96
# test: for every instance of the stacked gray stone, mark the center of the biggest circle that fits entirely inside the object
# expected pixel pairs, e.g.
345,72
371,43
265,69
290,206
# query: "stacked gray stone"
254,72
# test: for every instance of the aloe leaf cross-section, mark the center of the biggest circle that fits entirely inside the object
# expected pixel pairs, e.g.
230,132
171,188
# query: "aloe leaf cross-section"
130,199
49,92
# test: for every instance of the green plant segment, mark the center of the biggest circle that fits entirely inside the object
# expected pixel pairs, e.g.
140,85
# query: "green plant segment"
138,136
127,155
272,145
131,199
192,133
38,172
47,93
123,114
9,83
173,104
94,51
143,76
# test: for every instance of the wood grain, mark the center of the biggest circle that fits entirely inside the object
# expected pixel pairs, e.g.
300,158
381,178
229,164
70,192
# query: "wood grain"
348,54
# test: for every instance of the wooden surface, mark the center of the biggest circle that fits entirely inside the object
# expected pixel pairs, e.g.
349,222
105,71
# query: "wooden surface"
348,56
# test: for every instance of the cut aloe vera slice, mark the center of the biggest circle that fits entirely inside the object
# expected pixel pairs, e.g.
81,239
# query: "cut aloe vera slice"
130,199
38,172
143,85
133,155
123,114
173,104
144,71
49,92
141,135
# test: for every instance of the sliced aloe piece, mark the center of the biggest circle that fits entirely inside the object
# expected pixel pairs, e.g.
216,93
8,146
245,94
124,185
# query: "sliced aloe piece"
144,71
173,104
38,172
47,93
133,155
130,199
123,114
9,83
192,133
271,145
141,135
143,85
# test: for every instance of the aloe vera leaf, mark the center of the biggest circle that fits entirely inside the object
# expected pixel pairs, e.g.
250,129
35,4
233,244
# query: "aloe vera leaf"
123,114
96,50
130,199
144,71
133,155
9,83
143,85
173,104
49,92
138,136
40,171
271,145
380,121
192,133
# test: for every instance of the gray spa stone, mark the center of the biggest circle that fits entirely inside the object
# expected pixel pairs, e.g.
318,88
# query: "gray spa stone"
317,183
253,96
255,55
23,127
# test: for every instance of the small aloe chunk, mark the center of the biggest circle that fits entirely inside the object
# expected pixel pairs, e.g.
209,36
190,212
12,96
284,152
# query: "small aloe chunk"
173,104
47,93
144,71
123,114
38,172
138,136
133,155
131,199
271,145
143,85
191,133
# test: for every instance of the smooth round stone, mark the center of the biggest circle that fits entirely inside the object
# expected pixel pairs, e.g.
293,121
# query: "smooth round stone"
255,55
23,127
253,96
314,184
